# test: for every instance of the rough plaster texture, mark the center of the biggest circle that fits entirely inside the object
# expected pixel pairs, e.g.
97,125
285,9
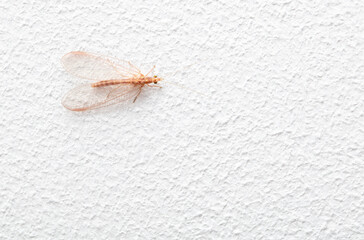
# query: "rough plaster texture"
273,151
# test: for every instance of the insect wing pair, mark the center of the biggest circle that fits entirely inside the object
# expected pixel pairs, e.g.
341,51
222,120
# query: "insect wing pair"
116,81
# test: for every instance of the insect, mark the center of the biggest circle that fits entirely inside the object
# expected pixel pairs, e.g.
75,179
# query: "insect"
115,81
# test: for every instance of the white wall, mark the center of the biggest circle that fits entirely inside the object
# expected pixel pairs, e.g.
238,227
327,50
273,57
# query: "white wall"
273,151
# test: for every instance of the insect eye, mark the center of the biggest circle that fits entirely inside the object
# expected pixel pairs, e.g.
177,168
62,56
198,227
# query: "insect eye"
155,82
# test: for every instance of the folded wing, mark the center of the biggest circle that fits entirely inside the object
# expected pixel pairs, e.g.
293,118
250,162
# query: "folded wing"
84,97
97,67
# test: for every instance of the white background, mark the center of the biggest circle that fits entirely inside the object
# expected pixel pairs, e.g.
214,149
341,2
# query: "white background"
272,149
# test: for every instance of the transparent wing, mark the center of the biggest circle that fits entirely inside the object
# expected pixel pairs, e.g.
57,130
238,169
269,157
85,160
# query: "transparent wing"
97,67
84,97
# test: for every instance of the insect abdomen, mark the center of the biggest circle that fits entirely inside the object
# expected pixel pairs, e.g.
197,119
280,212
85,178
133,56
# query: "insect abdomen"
105,83
115,82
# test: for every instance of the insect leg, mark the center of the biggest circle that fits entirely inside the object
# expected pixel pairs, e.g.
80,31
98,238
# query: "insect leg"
153,86
134,67
137,95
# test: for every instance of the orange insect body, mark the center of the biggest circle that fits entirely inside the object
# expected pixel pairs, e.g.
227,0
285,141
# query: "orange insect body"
117,81
141,80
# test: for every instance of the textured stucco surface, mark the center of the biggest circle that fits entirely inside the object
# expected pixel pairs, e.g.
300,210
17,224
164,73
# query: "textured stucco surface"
273,151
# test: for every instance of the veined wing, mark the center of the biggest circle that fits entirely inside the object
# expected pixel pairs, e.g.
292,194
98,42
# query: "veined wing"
97,67
84,97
